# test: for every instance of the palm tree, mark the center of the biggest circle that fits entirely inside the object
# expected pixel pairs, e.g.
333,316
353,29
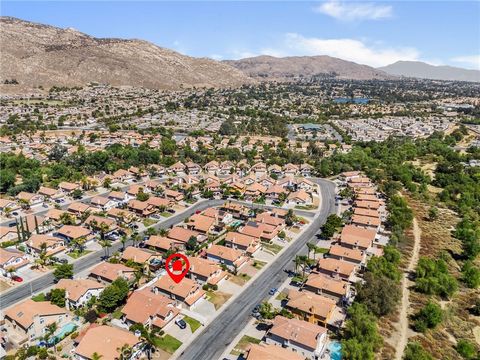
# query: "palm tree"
103,229
125,352
311,247
163,232
105,244
96,356
297,262
123,240
50,330
303,260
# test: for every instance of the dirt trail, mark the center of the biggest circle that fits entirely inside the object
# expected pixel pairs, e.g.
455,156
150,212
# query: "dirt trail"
406,283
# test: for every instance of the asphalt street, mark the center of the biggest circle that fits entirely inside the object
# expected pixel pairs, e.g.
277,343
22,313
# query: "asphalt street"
214,339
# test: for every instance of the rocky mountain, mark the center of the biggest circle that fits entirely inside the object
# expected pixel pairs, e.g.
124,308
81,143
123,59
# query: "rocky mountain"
295,67
423,70
36,54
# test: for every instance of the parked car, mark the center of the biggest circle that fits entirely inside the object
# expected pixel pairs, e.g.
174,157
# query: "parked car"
272,291
17,278
45,205
12,224
15,213
181,323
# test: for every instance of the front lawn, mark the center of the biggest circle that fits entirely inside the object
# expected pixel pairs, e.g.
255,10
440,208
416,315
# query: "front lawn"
239,279
272,248
117,314
149,222
194,324
166,214
243,345
39,297
168,343
257,264
218,298
77,254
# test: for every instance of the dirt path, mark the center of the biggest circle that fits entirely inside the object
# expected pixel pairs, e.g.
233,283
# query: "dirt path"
406,283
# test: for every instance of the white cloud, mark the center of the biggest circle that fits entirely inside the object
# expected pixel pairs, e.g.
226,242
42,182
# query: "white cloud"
472,61
347,49
352,11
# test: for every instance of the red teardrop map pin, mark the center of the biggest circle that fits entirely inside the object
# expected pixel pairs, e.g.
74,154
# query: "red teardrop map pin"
176,273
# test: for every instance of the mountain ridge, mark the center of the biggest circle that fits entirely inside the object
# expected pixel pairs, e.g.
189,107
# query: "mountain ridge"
37,54
422,70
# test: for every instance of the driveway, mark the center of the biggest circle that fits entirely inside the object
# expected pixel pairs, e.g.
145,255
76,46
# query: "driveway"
181,334
206,309
229,287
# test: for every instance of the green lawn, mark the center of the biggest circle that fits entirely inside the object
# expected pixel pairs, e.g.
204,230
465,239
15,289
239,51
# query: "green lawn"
194,324
39,297
168,343
149,222
281,296
257,264
243,344
166,214
305,207
322,250
76,254
274,248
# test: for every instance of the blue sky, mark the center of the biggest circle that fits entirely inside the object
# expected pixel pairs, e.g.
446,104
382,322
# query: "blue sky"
371,32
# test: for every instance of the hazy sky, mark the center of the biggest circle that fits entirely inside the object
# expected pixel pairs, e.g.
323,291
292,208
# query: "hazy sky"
373,33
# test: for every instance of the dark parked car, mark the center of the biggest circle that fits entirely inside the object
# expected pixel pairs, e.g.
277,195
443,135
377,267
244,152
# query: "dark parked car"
181,323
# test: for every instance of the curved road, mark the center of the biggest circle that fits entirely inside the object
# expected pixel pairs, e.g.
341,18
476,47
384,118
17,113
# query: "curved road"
212,341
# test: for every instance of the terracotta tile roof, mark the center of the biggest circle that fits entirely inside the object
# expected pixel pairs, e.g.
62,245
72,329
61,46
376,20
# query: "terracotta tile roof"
143,304
343,268
240,239
297,331
354,235
366,220
181,234
111,271
161,242
23,313
137,255
271,352
187,289
201,222
73,231
327,283
310,303
105,341
340,251
78,287
226,253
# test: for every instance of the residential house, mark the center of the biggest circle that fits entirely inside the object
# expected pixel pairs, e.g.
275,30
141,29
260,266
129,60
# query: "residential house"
177,169
27,321
147,258
271,352
232,258
211,167
193,169
149,309
106,272
248,244
107,342
11,259
68,187
173,195
205,271
315,309
78,208
201,223
121,216
327,286
8,234
53,245
103,203
182,235
338,269
50,193
300,197
164,244
79,291
356,237
355,256
187,292
142,208
8,206
303,338
72,232
31,199
122,175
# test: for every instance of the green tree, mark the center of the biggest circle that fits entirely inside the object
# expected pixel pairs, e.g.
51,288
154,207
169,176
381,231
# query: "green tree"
63,271
57,297
379,293
471,275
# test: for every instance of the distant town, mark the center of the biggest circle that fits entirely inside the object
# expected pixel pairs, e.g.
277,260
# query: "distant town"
300,207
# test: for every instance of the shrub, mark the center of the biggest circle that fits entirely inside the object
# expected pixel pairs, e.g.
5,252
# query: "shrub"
466,349
429,317
415,351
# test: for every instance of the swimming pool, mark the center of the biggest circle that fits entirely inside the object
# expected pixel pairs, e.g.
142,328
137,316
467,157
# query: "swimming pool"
335,349
64,331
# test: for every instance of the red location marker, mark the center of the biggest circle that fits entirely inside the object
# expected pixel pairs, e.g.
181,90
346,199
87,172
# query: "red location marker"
176,273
